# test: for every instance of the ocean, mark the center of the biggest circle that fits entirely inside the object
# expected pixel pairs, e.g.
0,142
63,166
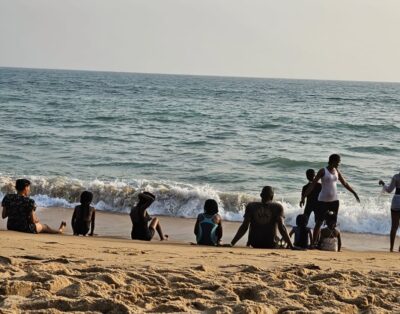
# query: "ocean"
189,138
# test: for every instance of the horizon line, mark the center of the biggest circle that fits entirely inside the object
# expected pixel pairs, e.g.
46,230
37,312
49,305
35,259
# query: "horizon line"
200,75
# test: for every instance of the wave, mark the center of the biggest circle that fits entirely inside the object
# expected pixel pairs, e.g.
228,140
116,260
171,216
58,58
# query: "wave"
186,200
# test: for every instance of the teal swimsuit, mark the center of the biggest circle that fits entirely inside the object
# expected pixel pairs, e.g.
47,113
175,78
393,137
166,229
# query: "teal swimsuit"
207,233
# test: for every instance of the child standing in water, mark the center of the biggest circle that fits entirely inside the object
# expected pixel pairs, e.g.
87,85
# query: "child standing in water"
312,200
84,215
208,227
330,239
302,234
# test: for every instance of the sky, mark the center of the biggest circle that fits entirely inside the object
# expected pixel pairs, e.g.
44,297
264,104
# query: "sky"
309,39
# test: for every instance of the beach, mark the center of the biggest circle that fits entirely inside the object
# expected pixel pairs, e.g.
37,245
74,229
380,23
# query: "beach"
109,273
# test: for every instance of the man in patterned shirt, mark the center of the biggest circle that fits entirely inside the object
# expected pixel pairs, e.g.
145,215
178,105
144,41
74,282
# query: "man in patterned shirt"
20,211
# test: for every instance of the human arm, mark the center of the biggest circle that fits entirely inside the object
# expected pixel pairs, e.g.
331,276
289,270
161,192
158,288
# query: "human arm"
4,213
291,232
241,231
283,231
219,230
73,221
310,236
347,186
319,175
196,227
339,241
388,188
302,200
92,225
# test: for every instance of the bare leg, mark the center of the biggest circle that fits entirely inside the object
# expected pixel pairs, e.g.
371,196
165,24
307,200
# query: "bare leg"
395,226
155,224
316,232
41,228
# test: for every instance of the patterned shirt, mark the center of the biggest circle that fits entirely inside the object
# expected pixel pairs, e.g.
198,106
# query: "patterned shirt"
19,211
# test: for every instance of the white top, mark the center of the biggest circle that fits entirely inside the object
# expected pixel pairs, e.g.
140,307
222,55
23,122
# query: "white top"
394,184
329,186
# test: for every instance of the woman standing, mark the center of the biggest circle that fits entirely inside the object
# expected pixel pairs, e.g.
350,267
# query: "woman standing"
328,200
395,208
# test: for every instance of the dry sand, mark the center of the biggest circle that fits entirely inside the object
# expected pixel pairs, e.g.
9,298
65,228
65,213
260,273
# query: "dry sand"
63,273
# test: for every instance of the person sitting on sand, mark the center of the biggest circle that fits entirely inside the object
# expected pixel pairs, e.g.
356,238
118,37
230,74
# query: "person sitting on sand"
263,218
330,239
302,234
208,227
20,211
83,217
395,206
141,229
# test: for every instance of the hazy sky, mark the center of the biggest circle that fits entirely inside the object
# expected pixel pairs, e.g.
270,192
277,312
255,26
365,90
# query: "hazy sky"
317,39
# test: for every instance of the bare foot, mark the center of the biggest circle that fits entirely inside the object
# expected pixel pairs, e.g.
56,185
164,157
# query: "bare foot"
62,226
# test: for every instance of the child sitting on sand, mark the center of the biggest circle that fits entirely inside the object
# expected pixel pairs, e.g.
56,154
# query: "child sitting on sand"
141,229
208,227
302,234
330,237
83,217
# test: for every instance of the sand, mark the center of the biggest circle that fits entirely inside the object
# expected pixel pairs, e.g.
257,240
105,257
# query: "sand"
63,273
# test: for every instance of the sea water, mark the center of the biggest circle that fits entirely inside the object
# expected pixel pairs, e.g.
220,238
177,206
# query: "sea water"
189,138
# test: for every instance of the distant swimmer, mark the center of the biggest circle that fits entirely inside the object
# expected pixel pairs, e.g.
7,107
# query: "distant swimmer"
395,206
208,227
84,215
264,218
20,211
330,239
144,226
328,200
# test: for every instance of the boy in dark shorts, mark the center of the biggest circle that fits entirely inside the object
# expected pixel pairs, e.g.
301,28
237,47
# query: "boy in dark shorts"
143,226
312,200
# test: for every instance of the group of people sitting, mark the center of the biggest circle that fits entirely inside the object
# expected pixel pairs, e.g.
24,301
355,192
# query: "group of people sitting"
263,219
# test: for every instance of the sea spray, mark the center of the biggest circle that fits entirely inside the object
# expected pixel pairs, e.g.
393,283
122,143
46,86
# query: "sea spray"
185,200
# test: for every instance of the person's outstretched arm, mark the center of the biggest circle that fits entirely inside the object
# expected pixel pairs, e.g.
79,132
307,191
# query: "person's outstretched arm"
319,175
388,188
347,186
241,231
92,224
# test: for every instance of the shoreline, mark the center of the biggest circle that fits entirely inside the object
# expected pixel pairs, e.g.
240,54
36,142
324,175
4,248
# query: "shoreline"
180,230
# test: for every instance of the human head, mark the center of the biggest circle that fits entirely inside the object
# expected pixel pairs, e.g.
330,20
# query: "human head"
330,220
86,197
301,220
310,174
267,193
211,207
334,160
23,186
146,198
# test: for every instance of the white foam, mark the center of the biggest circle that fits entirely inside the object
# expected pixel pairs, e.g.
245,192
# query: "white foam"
185,200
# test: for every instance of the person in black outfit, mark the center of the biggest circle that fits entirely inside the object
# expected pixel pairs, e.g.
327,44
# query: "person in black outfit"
84,216
20,210
312,201
144,226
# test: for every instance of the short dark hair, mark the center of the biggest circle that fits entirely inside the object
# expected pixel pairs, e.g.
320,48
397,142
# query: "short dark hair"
301,220
309,173
21,184
86,197
267,192
330,219
334,157
211,207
